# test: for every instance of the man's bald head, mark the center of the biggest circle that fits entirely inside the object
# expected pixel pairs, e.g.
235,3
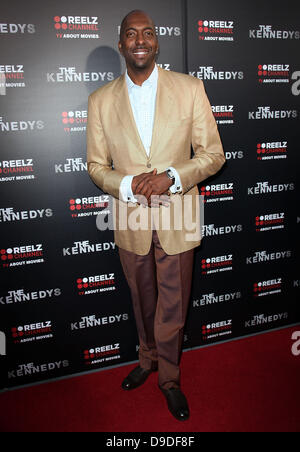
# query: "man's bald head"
135,12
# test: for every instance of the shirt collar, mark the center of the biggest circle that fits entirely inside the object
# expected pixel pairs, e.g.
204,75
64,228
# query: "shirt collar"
151,81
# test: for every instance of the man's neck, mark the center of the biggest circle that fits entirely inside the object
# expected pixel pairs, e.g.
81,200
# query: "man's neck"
139,77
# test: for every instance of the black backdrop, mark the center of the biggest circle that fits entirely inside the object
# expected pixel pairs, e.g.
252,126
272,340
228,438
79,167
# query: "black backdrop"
246,278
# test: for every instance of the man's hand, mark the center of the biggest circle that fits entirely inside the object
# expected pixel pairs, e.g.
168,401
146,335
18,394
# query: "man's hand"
153,184
147,185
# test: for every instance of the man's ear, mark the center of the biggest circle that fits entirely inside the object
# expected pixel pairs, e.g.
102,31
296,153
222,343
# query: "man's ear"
120,47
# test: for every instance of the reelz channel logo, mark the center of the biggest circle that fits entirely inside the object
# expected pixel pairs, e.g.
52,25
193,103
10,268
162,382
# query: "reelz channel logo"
273,73
268,287
216,30
216,329
32,332
22,255
13,170
96,284
272,150
101,354
89,206
224,114
74,121
217,264
71,27
11,76
270,222
218,192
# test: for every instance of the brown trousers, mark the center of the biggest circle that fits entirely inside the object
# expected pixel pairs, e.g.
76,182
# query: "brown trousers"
160,288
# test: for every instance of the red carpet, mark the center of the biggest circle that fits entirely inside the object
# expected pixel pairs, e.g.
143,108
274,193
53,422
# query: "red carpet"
248,385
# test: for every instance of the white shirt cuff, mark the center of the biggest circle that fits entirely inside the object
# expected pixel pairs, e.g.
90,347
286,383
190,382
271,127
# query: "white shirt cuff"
126,189
177,186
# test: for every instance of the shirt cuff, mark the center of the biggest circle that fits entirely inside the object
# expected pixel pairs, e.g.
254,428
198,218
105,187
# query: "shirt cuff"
177,186
126,190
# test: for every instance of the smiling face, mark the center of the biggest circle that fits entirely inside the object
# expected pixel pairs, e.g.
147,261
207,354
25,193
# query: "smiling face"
138,42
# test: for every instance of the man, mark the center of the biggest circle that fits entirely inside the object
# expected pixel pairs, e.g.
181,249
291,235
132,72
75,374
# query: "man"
140,130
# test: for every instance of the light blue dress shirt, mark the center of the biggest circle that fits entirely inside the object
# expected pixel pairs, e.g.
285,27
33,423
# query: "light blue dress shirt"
142,101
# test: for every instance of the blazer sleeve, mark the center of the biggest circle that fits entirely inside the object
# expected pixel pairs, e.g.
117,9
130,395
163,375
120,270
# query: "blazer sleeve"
208,156
99,161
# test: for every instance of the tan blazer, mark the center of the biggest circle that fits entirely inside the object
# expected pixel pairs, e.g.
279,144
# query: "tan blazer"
183,117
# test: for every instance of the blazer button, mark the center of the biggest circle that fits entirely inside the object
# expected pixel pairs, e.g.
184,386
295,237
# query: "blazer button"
149,165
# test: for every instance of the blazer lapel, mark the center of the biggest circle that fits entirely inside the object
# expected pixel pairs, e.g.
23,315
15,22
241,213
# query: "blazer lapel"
125,114
164,105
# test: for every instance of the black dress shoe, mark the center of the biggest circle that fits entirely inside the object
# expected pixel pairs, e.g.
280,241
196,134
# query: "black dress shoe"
136,378
177,403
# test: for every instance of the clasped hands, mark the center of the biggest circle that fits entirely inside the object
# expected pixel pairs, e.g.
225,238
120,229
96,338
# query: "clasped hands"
151,189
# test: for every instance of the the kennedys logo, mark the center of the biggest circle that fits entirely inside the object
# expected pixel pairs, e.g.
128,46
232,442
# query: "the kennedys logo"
8,214
218,192
32,332
72,165
269,287
17,28
70,75
272,150
96,284
212,298
216,329
20,126
20,296
74,121
270,222
85,247
273,73
24,370
91,321
208,73
234,155
101,354
267,32
22,255
13,170
265,187
224,114
264,256
211,230
88,206
262,319
216,264
215,30
267,113
163,31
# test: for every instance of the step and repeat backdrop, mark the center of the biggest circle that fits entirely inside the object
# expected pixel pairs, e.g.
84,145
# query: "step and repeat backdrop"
65,306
